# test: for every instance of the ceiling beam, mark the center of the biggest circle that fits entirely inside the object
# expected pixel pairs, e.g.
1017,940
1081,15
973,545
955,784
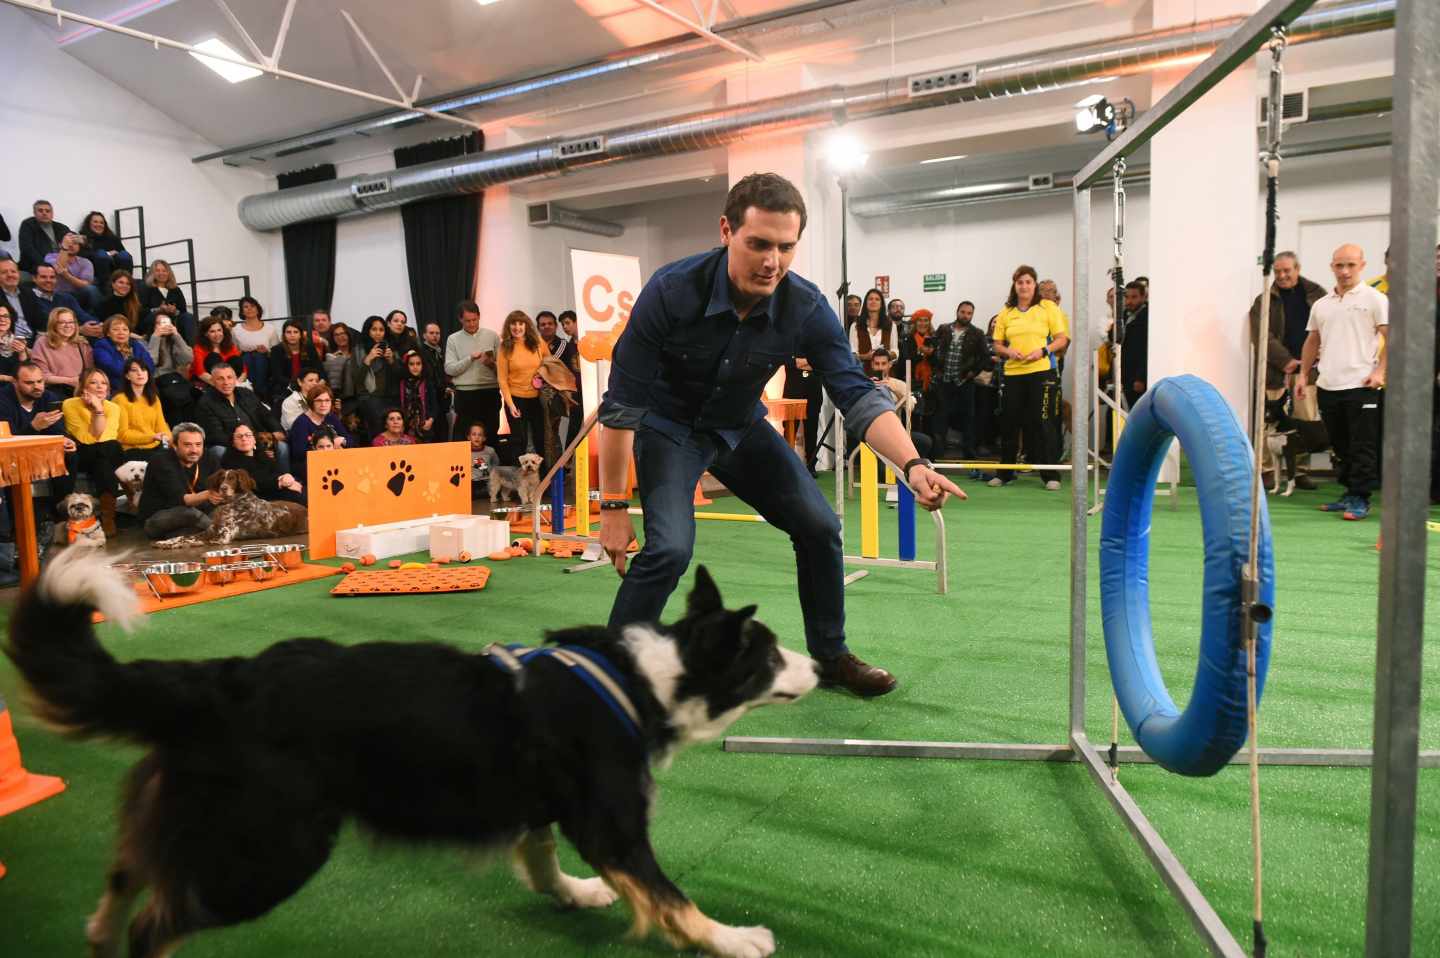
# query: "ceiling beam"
36,6
701,30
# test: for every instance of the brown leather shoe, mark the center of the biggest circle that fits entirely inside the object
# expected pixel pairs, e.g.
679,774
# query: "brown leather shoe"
849,673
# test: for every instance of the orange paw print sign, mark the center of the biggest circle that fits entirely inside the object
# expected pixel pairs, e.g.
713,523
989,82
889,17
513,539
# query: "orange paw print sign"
351,487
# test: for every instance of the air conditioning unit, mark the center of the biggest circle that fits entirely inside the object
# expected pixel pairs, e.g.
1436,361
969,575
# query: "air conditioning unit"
585,146
1042,181
955,78
1294,107
542,215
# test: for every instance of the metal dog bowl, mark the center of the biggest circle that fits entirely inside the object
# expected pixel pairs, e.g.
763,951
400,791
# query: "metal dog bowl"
227,573
286,556
174,578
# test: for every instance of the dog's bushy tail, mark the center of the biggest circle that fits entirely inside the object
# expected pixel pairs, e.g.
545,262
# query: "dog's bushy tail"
76,684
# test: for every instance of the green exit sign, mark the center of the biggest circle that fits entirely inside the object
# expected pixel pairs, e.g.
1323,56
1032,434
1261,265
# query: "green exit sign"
934,282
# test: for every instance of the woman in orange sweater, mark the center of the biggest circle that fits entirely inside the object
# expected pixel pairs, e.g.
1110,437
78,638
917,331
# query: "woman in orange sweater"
517,367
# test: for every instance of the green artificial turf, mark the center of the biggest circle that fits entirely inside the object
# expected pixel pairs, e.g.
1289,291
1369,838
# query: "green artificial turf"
847,856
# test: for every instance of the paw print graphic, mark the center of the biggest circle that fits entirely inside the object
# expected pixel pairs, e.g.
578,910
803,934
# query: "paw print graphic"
365,481
403,473
330,482
432,492
457,476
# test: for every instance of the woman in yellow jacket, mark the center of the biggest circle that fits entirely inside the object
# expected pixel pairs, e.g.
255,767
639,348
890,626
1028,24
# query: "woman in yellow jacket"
1029,334
94,422
517,366
144,430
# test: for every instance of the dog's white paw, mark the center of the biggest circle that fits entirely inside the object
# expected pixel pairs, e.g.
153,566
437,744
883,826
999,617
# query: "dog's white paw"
756,942
584,892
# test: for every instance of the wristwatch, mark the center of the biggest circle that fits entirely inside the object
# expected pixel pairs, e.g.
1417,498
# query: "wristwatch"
610,504
905,471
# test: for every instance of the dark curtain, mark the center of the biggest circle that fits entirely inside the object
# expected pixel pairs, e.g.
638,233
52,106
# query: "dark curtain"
442,238
309,250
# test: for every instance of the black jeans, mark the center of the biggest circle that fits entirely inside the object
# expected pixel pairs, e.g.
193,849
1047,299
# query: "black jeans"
99,460
477,405
1352,418
176,521
764,473
954,407
1030,402
528,430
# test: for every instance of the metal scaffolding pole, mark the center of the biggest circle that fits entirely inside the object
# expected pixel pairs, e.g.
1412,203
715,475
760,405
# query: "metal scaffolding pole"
1080,403
1414,188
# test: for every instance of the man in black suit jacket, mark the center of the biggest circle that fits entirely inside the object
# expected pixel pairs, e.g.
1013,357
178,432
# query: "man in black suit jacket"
40,235
225,405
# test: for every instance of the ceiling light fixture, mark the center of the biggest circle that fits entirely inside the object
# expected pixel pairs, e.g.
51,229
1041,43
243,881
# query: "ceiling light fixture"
486,3
944,159
845,154
224,60
1097,113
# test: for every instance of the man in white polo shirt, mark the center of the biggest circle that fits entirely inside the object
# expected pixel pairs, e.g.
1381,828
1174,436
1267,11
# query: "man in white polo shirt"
1346,332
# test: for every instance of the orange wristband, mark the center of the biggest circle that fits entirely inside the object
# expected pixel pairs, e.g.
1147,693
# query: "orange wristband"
614,497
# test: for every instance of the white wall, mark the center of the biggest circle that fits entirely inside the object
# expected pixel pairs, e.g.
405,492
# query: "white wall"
978,248
74,138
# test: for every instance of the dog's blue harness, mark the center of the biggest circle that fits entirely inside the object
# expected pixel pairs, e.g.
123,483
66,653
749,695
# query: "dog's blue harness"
587,665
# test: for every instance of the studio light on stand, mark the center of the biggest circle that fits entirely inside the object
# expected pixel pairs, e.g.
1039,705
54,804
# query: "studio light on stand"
845,156
1097,113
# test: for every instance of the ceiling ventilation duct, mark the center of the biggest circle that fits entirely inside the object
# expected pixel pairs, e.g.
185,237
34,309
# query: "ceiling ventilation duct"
542,215
971,194
1017,76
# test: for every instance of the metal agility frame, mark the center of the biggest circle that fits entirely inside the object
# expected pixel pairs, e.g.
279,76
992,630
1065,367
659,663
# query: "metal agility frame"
1396,756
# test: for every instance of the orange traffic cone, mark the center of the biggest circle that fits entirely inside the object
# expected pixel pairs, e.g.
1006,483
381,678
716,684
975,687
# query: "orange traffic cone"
700,499
19,788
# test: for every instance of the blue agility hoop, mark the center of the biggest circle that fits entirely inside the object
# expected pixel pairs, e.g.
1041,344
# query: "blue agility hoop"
1214,725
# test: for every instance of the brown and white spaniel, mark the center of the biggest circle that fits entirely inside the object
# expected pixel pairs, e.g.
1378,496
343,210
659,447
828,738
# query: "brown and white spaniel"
241,514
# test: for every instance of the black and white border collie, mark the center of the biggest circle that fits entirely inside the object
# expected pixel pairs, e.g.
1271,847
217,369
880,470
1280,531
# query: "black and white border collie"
255,763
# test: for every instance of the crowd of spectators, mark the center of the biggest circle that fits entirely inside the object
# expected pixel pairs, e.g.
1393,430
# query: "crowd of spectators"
995,394
121,368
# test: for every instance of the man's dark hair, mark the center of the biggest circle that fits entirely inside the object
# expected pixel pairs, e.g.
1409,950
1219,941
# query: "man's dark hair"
41,203
224,312
182,428
40,266
28,364
567,313
1136,285
467,306
318,311
965,302
764,191
879,352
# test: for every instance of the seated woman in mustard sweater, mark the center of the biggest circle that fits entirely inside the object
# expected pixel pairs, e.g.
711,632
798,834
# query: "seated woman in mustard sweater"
144,429
516,365
94,422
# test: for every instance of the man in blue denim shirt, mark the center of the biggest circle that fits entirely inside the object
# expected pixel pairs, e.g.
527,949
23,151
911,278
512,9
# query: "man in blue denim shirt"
705,336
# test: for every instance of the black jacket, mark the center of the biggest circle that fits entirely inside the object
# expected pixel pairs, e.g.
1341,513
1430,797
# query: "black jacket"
975,356
219,418
35,245
1135,354
166,482
1277,354
21,422
264,470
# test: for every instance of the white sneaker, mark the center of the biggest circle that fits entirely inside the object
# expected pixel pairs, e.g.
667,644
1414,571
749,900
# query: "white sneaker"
1052,486
996,483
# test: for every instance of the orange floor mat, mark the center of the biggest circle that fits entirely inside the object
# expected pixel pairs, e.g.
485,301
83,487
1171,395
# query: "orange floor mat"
413,581
305,572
